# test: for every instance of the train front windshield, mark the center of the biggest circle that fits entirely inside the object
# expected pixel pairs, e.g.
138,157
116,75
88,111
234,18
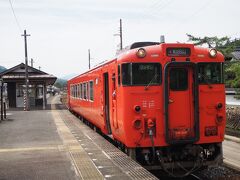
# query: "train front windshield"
210,73
141,74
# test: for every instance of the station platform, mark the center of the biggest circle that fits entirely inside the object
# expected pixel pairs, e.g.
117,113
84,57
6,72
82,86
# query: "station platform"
231,152
54,144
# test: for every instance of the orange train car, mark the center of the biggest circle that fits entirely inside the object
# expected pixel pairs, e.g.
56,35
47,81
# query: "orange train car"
164,104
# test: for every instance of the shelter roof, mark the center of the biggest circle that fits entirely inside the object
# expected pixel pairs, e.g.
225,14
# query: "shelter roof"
17,73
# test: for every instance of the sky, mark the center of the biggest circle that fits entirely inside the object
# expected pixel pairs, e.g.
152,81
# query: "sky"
62,31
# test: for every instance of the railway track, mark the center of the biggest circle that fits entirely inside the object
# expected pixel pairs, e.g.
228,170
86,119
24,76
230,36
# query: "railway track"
195,176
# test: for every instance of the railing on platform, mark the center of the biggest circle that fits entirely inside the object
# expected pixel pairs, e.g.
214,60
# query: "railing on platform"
232,91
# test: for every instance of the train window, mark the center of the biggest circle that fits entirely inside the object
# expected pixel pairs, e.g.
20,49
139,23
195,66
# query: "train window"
80,91
178,79
91,90
141,74
85,91
210,73
72,90
75,90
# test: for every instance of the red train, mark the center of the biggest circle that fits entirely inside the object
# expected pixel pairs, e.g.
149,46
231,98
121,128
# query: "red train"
164,104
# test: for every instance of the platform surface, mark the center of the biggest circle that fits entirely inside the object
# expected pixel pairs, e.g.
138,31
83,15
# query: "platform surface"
54,144
231,154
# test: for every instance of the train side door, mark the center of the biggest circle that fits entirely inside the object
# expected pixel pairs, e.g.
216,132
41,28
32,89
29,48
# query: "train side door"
180,104
114,102
106,102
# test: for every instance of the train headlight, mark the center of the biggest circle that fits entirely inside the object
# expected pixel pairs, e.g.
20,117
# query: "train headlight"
213,53
137,108
141,53
219,105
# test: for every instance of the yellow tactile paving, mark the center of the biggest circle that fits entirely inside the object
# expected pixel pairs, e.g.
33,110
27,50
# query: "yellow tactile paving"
80,158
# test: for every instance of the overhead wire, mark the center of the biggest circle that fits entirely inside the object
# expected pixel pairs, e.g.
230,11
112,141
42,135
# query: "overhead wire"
156,10
187,18
15,17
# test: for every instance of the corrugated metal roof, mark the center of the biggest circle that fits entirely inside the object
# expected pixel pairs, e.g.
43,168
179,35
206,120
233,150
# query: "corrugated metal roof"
236,55
43,76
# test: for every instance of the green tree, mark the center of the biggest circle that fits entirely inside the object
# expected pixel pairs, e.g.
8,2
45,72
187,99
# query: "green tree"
212,42
224,44
60,83
232,74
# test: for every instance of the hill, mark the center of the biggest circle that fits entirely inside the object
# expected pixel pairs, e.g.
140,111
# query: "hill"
2,69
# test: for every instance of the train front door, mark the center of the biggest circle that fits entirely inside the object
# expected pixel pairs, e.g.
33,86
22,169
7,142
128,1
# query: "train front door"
180,104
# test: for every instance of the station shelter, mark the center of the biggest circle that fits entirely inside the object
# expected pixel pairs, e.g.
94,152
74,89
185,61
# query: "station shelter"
14,79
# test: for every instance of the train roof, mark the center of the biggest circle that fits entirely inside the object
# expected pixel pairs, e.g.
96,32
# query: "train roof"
127,48
153,46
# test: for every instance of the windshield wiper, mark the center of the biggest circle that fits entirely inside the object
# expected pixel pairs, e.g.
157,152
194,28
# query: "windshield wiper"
154,77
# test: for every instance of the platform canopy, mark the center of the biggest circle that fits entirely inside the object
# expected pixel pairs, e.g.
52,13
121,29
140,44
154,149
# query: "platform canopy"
14,79
17,74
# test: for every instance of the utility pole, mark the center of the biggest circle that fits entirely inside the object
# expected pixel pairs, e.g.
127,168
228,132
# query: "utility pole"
120,35
89,59
32,62
1,87
26,95
121,43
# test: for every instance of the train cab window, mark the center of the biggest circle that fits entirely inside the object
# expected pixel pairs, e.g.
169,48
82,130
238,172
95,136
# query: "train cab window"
126,74
210,73
141,74
178,79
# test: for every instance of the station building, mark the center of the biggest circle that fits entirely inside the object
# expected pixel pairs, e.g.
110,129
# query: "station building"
14,81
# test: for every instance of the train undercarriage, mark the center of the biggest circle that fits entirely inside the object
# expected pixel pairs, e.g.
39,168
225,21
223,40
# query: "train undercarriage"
175,160
179,160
